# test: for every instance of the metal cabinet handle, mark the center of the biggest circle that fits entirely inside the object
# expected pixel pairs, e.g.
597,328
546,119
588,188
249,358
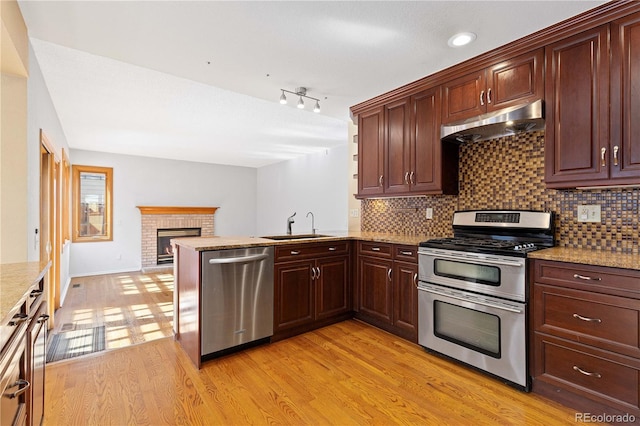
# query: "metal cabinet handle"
18,319
482,98
580,317
406,253
381,179
411,178
35,293
603,153
19,382
587,373
43,318
243,259
294,252
318,273
389,274
489,96
406,178
313,273
375,248
615,155
586,278
332,249
415,279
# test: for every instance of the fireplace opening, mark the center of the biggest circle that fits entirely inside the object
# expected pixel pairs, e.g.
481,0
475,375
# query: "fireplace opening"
165,251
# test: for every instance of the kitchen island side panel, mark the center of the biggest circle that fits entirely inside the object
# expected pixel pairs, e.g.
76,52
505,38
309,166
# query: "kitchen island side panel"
188,313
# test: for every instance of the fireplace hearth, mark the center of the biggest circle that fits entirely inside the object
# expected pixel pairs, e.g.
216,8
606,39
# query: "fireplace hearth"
165,251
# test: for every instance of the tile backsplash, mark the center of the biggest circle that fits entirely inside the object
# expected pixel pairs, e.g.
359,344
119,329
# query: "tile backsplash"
508,173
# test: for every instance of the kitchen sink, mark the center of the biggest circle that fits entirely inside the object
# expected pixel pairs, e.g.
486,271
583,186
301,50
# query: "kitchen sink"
294,237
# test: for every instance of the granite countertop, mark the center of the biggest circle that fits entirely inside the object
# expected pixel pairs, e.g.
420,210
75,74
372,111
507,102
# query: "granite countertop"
15,281
220,243
589,257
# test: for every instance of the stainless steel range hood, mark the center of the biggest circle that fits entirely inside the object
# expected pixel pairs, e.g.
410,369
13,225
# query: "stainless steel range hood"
508,121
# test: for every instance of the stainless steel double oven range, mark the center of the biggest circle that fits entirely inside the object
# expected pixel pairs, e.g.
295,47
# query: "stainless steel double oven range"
473,291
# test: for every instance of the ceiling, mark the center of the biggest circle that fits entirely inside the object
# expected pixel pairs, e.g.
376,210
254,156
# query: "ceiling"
200,81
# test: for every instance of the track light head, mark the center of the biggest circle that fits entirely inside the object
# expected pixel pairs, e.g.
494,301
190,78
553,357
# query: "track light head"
300,103
283,98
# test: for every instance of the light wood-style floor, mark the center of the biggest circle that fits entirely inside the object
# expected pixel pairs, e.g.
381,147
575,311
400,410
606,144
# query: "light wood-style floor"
345,374
133,307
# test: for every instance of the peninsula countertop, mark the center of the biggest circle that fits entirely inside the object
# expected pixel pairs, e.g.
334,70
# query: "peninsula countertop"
222,242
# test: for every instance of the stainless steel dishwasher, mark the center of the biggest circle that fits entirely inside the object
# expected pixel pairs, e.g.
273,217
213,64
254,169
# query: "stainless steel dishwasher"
237,299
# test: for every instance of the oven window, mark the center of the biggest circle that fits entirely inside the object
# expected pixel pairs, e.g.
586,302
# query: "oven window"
483,274
478,331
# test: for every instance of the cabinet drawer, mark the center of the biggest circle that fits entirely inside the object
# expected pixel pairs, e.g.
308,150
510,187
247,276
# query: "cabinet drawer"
623,282
405,253
302,251
589,372
609,322
367,248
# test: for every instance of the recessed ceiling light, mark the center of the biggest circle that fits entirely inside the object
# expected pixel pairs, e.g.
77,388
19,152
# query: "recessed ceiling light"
461,39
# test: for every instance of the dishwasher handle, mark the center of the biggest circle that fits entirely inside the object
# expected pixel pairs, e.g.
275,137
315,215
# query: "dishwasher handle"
243,259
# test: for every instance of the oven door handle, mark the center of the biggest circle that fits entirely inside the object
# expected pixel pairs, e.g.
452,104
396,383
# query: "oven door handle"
477,259
465,299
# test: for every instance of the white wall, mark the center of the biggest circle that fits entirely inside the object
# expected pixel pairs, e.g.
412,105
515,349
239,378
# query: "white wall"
144,181
41,114
315,182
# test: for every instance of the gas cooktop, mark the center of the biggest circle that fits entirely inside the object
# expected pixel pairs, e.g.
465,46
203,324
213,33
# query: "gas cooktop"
501,232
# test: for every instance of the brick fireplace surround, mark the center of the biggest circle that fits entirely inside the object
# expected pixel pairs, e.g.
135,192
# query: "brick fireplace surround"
159,217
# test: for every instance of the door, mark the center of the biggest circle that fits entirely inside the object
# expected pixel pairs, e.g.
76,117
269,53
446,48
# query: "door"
50,221
577,109
398,154
426,148
332,286
293,295
515,82
625,98
375,288
405,299
464,97
370,153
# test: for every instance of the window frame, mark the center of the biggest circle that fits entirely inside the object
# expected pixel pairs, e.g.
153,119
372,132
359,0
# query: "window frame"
108,207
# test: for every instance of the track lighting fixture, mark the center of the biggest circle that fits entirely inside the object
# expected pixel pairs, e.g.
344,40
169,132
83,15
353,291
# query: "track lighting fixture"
301,92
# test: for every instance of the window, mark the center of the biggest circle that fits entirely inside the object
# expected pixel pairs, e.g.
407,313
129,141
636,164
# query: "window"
92,203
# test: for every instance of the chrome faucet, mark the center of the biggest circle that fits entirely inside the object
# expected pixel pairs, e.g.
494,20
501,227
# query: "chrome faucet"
313,226
290,221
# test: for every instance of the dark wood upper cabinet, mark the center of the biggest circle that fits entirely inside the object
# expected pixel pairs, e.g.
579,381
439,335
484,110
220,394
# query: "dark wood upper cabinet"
407,142
371,152
592,103
577,109
397,170
625,99
512,82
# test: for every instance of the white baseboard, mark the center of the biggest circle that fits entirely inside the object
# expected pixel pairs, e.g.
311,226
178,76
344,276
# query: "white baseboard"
116,271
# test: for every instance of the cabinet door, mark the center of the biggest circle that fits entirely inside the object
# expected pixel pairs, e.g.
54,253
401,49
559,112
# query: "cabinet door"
36,357
397,139
375,288
405,299
577,109
625,99
515,82
332,286
464,97
293,297
370,153
426,148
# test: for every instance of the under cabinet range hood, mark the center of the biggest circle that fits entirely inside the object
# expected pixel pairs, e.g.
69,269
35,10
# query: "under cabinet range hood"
505,122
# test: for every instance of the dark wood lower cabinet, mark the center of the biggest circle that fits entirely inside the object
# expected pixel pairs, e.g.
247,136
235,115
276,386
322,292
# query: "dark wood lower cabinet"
312,292
586,349
388,297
